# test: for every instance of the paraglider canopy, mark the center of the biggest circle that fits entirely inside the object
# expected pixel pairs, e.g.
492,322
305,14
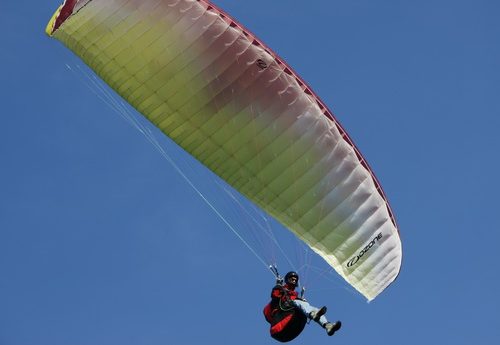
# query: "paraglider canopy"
228,100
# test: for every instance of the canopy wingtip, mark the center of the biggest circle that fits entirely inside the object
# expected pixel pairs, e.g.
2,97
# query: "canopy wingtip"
49,29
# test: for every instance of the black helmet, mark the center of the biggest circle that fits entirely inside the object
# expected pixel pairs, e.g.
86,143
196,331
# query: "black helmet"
290,275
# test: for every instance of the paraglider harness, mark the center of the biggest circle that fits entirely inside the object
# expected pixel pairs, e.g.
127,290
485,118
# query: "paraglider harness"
287,320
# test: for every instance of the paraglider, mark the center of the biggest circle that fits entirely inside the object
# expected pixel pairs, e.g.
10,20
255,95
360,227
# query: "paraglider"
288,312
229,101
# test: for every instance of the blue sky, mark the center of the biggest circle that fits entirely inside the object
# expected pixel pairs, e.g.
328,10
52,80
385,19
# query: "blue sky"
103,242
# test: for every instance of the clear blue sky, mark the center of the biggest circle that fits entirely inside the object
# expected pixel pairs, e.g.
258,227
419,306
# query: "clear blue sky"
102,242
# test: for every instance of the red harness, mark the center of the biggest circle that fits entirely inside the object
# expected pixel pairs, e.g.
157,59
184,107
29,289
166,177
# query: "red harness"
286,320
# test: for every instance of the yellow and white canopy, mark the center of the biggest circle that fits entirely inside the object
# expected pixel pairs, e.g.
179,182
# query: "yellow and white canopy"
229,101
